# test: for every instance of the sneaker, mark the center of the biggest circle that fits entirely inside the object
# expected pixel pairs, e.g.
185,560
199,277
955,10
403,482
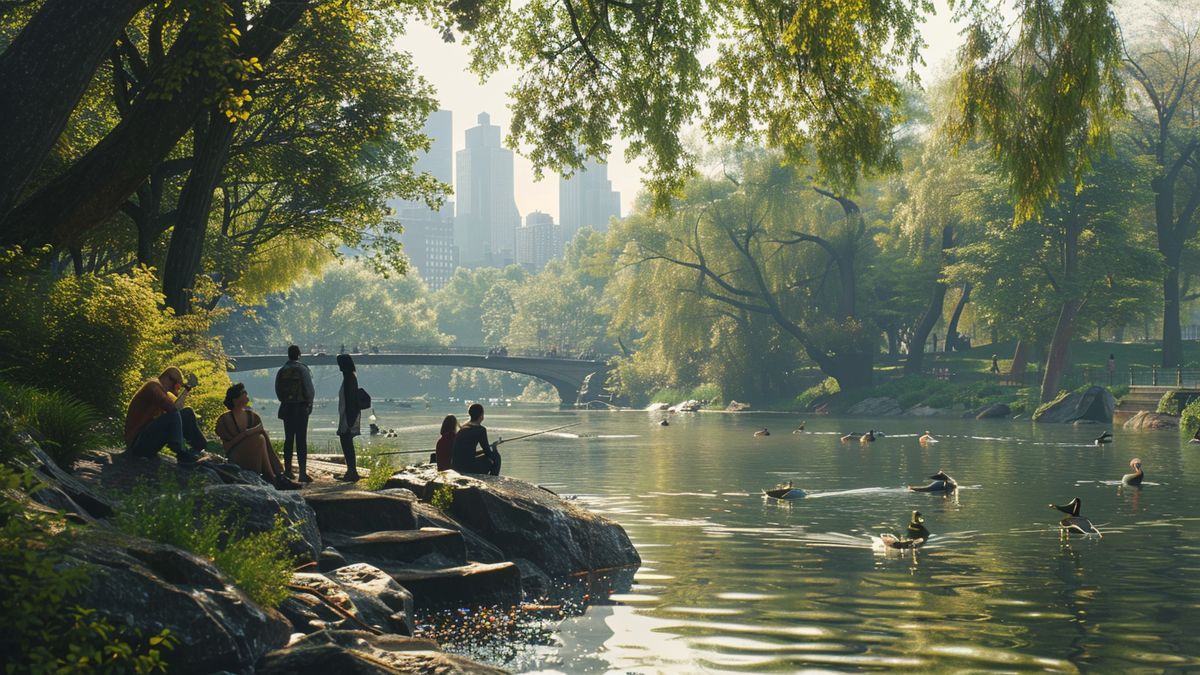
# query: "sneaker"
289,475
282,483
305,478
187,459
349,477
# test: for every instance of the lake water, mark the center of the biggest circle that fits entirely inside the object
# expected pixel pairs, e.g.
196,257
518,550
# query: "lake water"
732,581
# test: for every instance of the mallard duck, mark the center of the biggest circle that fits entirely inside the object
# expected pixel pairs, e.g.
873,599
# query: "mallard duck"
868,437
917,534
1136,477
1105,437
1074,521
850,436
664,423
799,429
785,492
762,432
941,483
925,438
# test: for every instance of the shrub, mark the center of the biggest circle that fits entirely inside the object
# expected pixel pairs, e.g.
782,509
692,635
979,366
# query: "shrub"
259,563
44,632
380,468
827,387
66,426
1168,404
443,496
1190,417
668,395
1041,409
707,392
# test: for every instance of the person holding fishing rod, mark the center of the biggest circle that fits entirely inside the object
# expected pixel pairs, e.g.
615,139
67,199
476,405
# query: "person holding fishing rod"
472,452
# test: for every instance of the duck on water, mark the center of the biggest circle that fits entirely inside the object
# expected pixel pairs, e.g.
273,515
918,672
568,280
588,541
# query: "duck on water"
941,483
1136,477
1075,522
916,535
785,492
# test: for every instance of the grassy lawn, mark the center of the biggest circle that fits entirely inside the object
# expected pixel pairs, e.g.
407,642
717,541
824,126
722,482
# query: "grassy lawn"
1083,355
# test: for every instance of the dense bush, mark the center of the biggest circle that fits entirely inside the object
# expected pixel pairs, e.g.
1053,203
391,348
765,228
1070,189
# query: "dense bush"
259,563
1190,418
44,632
826,387
64,426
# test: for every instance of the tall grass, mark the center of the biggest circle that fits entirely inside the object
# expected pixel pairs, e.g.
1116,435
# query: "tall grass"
65,426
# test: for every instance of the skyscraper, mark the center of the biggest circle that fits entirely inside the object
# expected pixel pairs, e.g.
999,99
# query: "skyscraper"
538,242
587,199
487,216
428,235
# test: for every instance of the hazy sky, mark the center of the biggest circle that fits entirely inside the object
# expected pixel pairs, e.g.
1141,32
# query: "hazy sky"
445,65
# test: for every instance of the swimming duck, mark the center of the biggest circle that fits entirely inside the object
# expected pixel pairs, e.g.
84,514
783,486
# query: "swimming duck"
868,437
785,492
941,483
925,438
1074,521
1136,477
1105,437
664,423
762,432
917,534
799,428
850,436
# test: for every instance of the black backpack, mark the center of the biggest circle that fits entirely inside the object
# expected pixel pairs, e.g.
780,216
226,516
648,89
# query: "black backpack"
364,399
289,385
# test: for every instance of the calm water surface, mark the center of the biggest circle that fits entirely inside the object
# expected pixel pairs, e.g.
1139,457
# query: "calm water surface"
734,582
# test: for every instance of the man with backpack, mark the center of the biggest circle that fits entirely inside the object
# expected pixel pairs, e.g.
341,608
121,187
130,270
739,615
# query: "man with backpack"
294,388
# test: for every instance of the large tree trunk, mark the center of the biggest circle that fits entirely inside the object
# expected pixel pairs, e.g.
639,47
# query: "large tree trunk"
1056,359
852,370
212,141
937,302
43,74
952,342
1172,336
94,188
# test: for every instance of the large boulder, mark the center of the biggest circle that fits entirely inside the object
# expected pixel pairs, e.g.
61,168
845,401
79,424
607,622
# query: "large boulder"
380,600
361,511
363,653
737,406
1094,404
259,506
80,499
875,407
994,411
149,586
526,521
1149,420
925,411
355,597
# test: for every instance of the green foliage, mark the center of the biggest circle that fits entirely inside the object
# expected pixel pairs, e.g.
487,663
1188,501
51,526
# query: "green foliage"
1041,409
44,632
1168,404
708,392
442,498
1189,420
827,387
380,469
259,563
65,426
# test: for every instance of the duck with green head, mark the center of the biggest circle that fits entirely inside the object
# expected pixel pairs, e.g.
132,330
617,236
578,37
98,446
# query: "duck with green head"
917,534
1075,522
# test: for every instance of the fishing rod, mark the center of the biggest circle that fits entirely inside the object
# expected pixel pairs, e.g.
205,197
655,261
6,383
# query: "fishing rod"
498,442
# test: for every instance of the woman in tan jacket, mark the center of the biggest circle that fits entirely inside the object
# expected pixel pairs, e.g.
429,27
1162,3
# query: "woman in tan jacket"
246,442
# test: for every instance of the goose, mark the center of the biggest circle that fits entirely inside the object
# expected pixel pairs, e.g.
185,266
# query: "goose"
917,534
1105,437
1136,477
1074,521
941,483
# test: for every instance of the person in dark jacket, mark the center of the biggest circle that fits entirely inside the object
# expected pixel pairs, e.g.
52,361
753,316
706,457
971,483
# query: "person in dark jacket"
294,388
445,443
349,415
472,452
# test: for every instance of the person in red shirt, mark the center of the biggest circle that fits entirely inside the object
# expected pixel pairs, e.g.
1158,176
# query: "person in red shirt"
445,444
157,416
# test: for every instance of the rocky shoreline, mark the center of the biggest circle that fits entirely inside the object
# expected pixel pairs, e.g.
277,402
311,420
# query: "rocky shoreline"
372,564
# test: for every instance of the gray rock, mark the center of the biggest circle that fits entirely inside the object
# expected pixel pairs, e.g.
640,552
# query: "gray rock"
360,511
313,609
994,411
330,560
82,496
875,407
363,653
926,411
380,600
1150,420
1095,404
261,505
526,521
737,406
478,548
150,586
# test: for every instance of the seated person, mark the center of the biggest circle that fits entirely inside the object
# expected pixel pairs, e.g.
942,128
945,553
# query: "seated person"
472,452
157,417
246,442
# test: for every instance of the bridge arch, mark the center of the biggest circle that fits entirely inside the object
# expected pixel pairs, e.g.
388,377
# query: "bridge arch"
567,376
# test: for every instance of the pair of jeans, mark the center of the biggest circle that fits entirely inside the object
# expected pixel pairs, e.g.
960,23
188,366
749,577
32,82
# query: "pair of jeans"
295,433
170,429
348,452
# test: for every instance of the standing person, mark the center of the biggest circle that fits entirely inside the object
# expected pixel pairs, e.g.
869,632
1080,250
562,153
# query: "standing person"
445,443
157,416
995,365
1112,367
472,452
246,442
294,388
349,415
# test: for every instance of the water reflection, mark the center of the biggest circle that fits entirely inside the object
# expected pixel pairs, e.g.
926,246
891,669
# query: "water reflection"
735,582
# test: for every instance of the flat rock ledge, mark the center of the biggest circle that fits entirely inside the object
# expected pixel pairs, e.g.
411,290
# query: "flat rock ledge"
1149,420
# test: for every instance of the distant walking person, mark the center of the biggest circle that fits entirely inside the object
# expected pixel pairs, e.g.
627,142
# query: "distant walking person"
995,365
1112,367
472,452
157,416
349,415
294,388
445,443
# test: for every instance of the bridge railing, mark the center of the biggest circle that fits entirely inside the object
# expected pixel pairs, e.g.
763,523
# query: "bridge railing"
357,350
1164,377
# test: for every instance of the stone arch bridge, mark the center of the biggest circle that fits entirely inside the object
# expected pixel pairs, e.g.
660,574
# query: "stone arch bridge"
579,381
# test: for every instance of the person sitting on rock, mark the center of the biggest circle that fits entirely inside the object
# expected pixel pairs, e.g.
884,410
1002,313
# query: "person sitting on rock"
445,443
472,452
246,442
157,416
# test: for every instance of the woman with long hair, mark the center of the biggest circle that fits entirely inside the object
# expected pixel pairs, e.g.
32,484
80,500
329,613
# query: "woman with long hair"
246,442
349,415
445,443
